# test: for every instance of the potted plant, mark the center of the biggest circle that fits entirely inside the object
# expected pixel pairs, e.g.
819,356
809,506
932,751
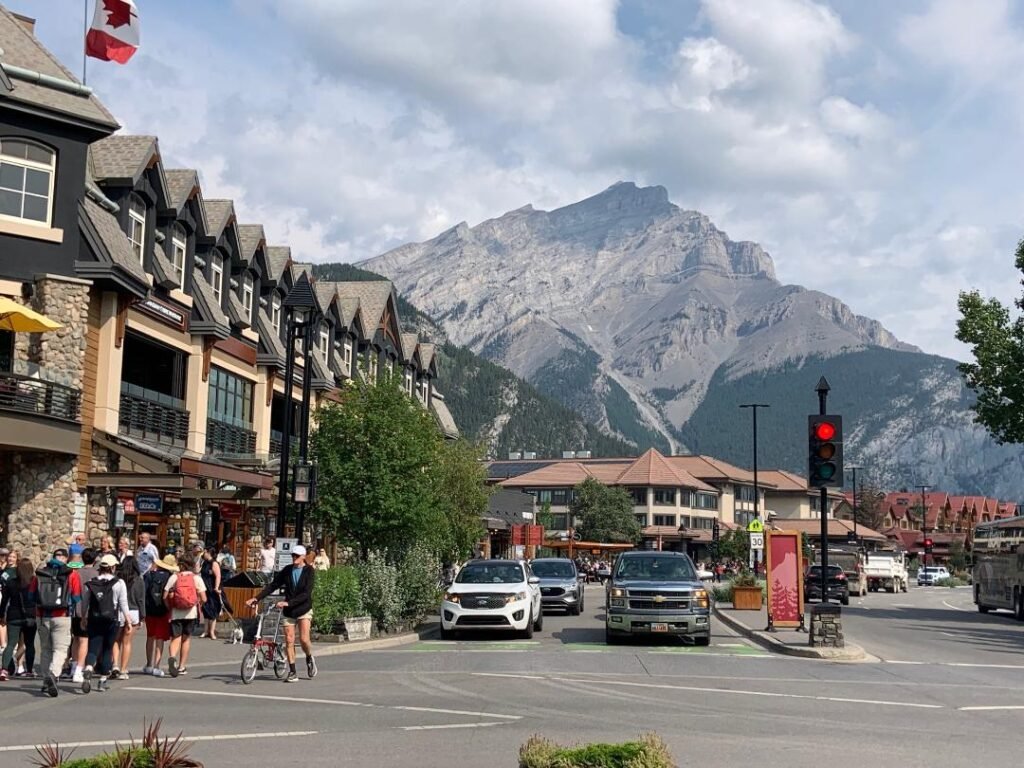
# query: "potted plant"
746,592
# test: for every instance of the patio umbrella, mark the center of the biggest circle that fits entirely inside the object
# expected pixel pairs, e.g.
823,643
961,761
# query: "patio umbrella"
15,317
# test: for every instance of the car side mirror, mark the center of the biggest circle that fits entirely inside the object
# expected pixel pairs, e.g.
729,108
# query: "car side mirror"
533,580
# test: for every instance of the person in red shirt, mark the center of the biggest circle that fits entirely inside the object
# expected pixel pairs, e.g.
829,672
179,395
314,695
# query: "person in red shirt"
58,591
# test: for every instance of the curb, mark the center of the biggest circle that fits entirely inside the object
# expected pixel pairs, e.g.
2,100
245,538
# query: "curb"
765,640
336,649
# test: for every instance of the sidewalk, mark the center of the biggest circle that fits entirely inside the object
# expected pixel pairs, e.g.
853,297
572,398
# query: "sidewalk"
789,642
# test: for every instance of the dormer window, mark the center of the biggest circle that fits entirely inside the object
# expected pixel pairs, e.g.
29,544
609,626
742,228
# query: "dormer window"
373,366
137,226
217,277
347,356
26,182
325,340
275,312
179,247
247,295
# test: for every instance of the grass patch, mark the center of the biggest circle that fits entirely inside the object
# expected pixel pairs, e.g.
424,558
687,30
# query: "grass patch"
649,751
951,581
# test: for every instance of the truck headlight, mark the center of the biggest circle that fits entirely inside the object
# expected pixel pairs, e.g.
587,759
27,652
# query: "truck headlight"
618,592
451,597
516,597
700,598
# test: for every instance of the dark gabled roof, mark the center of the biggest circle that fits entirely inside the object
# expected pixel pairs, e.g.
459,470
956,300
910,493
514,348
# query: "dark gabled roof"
325,295
409,343
163,270
250,237
182,183
22,49
373,298
121,157
271,349
236,312
278,257
351,314
210,318
319,378
115,258
426,354
219,213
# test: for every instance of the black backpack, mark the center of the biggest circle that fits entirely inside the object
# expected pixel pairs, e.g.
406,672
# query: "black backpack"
156,583
52,589
102,604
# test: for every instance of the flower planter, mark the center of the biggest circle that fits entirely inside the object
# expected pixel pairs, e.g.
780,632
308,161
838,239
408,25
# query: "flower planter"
358,627
746,598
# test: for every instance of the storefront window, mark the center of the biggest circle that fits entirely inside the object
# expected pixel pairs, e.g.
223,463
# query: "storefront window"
230,399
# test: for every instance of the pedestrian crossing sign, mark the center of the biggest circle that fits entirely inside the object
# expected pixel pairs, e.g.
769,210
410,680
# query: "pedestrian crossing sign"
755,526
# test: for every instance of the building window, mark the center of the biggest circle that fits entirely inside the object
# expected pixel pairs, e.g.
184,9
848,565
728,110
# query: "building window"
665,497
275,312
217,277
641,518
408,382
745,493
560,496
704,523
26,181
684,521
639,496
544,496
685,497
743,517
325,340
137,226
247,295
179,247
669,520
230,398
373,366
347,352
705,500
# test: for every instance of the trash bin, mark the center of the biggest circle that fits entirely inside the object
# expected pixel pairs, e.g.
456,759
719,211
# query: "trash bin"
241,587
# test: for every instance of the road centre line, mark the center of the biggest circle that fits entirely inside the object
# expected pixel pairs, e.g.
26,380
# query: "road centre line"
991,708
446,727
304,700
124,742
953,606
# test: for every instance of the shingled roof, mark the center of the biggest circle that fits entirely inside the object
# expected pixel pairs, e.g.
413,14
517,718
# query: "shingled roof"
409,342
22,49
105,236
426,354
278,257
250,236
652,469
219,213
443,416
373,298
121,157
181,184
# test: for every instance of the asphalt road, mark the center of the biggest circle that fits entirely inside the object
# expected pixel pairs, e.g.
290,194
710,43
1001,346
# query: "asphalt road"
472,703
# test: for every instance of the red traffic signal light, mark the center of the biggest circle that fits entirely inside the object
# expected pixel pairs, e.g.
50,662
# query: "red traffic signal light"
824,430
825,451
928,543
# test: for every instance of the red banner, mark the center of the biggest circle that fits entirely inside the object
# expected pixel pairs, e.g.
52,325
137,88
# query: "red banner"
785,585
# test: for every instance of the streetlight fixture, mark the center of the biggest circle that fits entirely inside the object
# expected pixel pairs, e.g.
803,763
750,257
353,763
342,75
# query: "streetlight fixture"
757,503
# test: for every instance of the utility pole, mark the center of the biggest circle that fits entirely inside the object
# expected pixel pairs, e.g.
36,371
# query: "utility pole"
757,503
924,524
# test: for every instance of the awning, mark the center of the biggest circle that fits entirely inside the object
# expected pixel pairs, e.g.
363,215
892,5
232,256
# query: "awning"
21,319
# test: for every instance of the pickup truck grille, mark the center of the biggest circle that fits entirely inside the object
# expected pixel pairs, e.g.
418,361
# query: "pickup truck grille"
652,600
483,601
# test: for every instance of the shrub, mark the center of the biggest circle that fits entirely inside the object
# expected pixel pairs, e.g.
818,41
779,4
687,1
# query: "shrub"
153,752
648,752
418,582
722,593
336,596
950,581
378,580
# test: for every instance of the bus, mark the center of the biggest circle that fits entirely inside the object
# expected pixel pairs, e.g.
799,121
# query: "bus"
998,573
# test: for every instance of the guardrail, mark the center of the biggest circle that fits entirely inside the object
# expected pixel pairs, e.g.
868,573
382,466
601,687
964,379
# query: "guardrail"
26,394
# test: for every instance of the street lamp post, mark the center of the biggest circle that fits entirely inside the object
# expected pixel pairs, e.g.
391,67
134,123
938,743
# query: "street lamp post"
924,524
757,505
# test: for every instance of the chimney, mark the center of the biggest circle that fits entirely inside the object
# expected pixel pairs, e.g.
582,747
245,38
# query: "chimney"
28,23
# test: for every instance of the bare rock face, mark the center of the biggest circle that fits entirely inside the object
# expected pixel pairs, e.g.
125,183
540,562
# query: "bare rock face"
660,296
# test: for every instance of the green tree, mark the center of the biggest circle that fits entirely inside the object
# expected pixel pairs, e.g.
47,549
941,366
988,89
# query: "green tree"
462,486
734,545
997,344
378,452
957,557
546,517
605,513
870,512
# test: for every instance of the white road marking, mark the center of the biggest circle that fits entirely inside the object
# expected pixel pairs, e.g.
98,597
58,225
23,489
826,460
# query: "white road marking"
967,664
903,605
304,700
446,727
765,694
123,742
953,606
990,709
915,663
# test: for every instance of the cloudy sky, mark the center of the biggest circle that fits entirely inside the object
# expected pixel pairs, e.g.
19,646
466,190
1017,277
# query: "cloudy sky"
873,147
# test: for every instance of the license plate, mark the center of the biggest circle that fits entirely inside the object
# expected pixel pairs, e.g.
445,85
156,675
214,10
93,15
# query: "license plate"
659,627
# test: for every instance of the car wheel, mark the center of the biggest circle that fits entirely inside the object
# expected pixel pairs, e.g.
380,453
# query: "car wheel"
574,610
612,638
447,634
528,631
538,625
845,600
702,640
1018,608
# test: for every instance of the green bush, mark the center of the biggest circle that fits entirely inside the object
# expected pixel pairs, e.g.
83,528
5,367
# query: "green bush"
648,752
378,580
722,593
336,596
154,751
417,582
951,581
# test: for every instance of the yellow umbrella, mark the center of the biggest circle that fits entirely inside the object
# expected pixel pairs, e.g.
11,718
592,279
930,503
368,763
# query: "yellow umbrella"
15,317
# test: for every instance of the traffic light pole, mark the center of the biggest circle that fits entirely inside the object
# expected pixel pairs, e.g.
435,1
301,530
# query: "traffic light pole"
924,527
822,391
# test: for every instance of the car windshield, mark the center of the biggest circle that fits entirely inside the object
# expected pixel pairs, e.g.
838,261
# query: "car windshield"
553,569
490,573
656,569
815,570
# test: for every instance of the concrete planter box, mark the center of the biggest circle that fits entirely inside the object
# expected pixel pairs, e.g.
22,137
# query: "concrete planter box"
358,627
746,598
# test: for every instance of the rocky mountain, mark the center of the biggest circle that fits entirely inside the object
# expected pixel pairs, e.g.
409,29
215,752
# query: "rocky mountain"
650,322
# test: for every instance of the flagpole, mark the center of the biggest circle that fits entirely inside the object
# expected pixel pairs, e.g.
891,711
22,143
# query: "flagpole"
85,34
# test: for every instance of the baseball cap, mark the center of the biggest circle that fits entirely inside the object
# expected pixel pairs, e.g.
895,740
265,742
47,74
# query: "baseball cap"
60,552
108,561
298,551
76,549
4,551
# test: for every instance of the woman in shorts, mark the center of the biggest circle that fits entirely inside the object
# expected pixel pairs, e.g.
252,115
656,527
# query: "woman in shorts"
129,573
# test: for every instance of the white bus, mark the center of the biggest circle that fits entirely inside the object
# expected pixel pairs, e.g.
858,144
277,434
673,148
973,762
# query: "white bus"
999,566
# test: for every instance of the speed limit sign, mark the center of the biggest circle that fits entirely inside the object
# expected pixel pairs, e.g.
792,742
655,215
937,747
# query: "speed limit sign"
757,541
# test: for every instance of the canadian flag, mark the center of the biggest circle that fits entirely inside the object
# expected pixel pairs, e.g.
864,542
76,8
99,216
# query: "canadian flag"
114,34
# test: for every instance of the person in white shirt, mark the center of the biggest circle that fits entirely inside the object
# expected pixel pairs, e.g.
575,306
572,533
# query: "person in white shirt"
184,601
268,557
104,610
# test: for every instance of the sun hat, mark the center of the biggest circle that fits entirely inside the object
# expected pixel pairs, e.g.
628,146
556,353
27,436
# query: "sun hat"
169,563
108,561
298,551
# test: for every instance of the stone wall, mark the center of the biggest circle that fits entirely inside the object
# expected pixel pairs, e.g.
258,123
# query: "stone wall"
60,353
42,502
826,627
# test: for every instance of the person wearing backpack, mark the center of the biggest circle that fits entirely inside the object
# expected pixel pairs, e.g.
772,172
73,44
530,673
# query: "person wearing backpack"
80,641
158,615
18,614
57,591
104,612
184,594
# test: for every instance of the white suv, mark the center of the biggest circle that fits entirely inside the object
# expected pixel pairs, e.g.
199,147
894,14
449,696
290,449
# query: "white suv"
492,594
927,577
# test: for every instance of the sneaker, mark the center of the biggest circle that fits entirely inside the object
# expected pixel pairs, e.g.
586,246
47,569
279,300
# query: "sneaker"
86,680
102,685
147,670
50,687
172,666
20,672
122,676
78,677
183,671
115,673
157,672
292,678
311,669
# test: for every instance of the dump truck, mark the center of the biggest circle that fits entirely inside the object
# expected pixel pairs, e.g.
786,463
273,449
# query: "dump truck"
886,569
851,560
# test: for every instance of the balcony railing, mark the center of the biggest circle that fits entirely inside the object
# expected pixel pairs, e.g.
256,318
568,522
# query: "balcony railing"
224,438
152,416
38,396
276,440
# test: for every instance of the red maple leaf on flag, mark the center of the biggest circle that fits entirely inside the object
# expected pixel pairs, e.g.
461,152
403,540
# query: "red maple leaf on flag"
119,13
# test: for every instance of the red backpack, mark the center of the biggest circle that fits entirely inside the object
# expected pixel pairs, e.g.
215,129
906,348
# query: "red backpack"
184,596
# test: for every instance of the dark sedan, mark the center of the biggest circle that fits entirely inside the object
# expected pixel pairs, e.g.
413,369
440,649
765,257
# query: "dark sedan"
838,586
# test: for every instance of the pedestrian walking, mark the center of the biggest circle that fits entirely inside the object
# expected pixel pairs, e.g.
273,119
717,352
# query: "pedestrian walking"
184,594
322,562
297,582
134,584
146,554
158,614
268,557
8,570
228,565
18,615
209,571
57,591
124,548
106,546
80,640
104,612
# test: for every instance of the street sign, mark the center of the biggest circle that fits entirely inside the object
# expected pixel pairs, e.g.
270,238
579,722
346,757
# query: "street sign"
757,541
151,503
755,526
284,552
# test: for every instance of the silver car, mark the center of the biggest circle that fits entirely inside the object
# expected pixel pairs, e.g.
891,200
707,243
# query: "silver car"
561,586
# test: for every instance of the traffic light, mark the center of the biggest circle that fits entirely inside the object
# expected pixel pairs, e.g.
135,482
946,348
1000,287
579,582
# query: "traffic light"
825,451
928,546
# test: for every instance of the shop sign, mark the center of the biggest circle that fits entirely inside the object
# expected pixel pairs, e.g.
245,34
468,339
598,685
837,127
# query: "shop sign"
230,511
147,504
162,312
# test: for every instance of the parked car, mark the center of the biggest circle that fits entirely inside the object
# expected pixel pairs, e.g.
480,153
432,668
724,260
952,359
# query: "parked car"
927,576
838,584
657,593
561,585
493,594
